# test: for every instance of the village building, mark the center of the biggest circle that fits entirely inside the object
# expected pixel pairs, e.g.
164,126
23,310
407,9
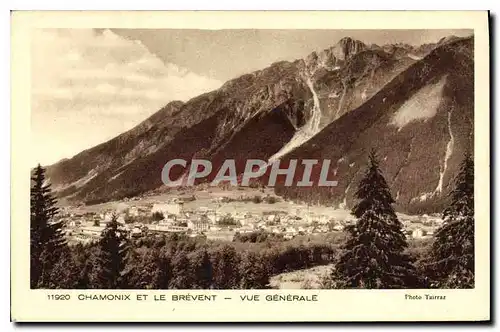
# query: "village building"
135,232
168,229
121,219
201,224
92,230
214,219
84,238
323,219
244,230
418,233
133,211
166,221
323,229
106,217
271,217
74,223
338,227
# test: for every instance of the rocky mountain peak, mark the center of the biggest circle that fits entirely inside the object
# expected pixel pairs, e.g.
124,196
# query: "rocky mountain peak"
347,47
333,57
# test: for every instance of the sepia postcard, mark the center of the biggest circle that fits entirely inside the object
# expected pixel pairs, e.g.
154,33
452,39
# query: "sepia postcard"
295,166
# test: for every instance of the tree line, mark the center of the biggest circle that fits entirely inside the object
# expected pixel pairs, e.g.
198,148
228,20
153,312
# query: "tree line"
374,253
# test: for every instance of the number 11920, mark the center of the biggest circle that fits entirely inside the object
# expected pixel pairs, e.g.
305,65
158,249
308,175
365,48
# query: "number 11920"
59,297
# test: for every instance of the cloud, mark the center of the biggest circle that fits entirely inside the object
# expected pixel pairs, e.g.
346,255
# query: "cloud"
89,86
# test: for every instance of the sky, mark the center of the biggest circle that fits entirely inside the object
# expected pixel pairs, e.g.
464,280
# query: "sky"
89,85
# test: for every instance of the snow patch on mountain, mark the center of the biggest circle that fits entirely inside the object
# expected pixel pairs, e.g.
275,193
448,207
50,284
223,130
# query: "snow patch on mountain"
333,94
339,108
311,128
364,95
425,196
447,155
414,57
422,105
115,176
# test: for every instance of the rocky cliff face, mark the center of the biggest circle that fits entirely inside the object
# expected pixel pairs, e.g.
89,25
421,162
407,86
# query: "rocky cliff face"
332,104
420,123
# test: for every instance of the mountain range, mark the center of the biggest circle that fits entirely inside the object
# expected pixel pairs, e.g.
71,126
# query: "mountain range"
413,105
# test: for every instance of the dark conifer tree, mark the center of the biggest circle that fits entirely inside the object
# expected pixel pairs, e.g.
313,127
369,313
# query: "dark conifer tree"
253,271
64,274
47,240
451,258
373,255
110,260
225,262
135,273
202,267
83,256
147,271
83,281
163,275
182,276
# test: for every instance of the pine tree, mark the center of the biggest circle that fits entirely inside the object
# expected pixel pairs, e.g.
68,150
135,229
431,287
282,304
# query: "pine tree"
82,257
47,240
182,276
132,276
83,278
202,267
451,263
373,254
225,262
163,275
111,258
147,271
253,271
64,274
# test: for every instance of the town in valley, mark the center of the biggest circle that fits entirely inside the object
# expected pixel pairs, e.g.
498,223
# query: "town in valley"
217,214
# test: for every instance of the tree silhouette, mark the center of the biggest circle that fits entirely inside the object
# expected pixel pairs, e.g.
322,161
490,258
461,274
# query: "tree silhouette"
373,254
253,271
110,260
182,276
202,267
225,263
47,240
451,261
